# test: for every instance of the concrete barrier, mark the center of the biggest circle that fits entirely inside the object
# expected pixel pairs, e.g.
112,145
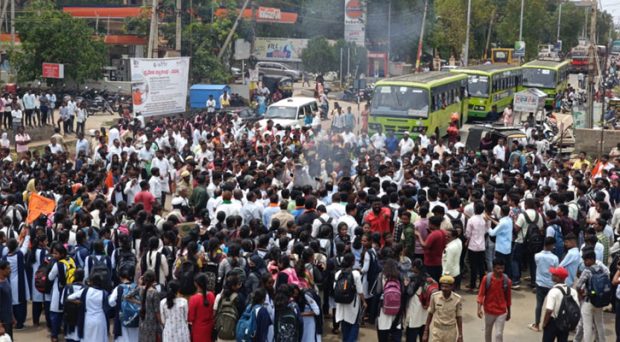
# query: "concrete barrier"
36,134
589,140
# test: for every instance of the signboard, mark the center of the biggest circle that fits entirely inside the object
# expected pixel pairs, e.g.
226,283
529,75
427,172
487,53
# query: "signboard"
268,14
529,101
519,49
159,85
242,49
53,70
279,49
354,21
39,205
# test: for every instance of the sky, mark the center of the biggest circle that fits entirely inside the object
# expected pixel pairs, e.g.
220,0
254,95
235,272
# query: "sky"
613,7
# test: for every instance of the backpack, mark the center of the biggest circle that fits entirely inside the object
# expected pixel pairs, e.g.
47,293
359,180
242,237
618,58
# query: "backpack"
344,291
487,284
210,271
125,260
123,229
599,289
287,327
373,268
325,225
246,326
100,264
409,242
569,314
69,272
130,304
71,309
226,317
429,287
559,241
41,281
294,279
392,296
534,239
456,221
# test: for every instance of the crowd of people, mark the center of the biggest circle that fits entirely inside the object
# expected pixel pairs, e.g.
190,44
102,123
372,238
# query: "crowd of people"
204,228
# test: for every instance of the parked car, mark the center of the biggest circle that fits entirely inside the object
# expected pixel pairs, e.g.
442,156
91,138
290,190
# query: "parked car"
278,69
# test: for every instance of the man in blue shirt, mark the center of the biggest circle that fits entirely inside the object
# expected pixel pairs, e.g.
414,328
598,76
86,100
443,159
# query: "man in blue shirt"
503,238
391,142
572,259
544,260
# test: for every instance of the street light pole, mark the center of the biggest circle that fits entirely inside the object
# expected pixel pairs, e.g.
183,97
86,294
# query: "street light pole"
521,22
559,21
419,55
466,52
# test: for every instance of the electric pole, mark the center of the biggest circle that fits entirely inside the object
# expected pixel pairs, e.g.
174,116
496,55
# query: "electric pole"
419,56
232,30
178,28
592,66
153,39
466,52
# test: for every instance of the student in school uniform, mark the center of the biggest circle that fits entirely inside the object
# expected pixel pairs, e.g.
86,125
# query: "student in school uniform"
20,290
58,275
40,301
93,322
71,331
126,288
98,257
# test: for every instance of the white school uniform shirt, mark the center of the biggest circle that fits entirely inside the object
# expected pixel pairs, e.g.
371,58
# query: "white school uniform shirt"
349,312
95,321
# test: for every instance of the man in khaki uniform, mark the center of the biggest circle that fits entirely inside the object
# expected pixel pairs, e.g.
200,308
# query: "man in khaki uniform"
444,314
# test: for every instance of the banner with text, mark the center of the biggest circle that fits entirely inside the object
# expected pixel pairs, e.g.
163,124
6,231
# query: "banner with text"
354,21
159,85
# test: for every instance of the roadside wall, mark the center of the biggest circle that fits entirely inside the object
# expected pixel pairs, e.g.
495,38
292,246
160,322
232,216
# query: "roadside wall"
589,140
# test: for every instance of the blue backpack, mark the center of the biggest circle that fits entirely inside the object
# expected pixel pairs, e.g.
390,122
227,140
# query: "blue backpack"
246,326
599,289
129,311
559,241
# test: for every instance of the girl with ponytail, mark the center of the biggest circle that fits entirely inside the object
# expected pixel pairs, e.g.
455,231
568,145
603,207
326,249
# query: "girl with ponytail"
201,316
173,310
149,309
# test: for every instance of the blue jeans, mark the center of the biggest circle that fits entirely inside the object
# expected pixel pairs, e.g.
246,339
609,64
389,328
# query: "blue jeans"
541,293
517,256
56,318
350,331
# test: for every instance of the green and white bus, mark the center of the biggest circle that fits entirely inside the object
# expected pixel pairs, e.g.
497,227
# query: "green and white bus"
418,102
489,85
550,77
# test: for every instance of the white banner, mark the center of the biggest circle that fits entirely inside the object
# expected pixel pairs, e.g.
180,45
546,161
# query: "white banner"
159,85
355,21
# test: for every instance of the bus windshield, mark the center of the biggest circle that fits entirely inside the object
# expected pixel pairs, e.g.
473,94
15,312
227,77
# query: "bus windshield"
281,112
542,78
616,47
478,86
400,101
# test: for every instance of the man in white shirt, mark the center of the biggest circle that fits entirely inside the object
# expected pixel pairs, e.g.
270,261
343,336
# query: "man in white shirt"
406,144
323,218
349,218
378,139
211,105
499,151
450,261
146,154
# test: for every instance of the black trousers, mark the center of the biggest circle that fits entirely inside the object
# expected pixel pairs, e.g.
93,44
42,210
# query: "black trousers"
552,334
7,120
391,335
476,267
414,334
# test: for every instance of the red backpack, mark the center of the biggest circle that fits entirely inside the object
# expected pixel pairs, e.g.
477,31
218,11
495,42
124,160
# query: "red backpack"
430,286
391,297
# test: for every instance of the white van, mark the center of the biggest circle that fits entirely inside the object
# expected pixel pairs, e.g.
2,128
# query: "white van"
290,112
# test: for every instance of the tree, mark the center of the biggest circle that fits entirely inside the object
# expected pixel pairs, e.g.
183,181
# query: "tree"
49,35
202,42
318,56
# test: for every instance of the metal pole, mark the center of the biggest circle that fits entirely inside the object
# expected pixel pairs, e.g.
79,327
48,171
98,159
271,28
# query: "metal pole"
153,28
466,52
521,22
232,30
488,43
348,62
12,23
389,33
340,75
178,28
559,21
421,39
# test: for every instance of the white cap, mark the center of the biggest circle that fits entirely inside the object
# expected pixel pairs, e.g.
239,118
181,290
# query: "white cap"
406,132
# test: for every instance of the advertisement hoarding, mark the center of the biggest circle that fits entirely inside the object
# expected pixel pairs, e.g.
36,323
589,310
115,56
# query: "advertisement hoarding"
354,22
53,70
519,49
279,49
159,85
